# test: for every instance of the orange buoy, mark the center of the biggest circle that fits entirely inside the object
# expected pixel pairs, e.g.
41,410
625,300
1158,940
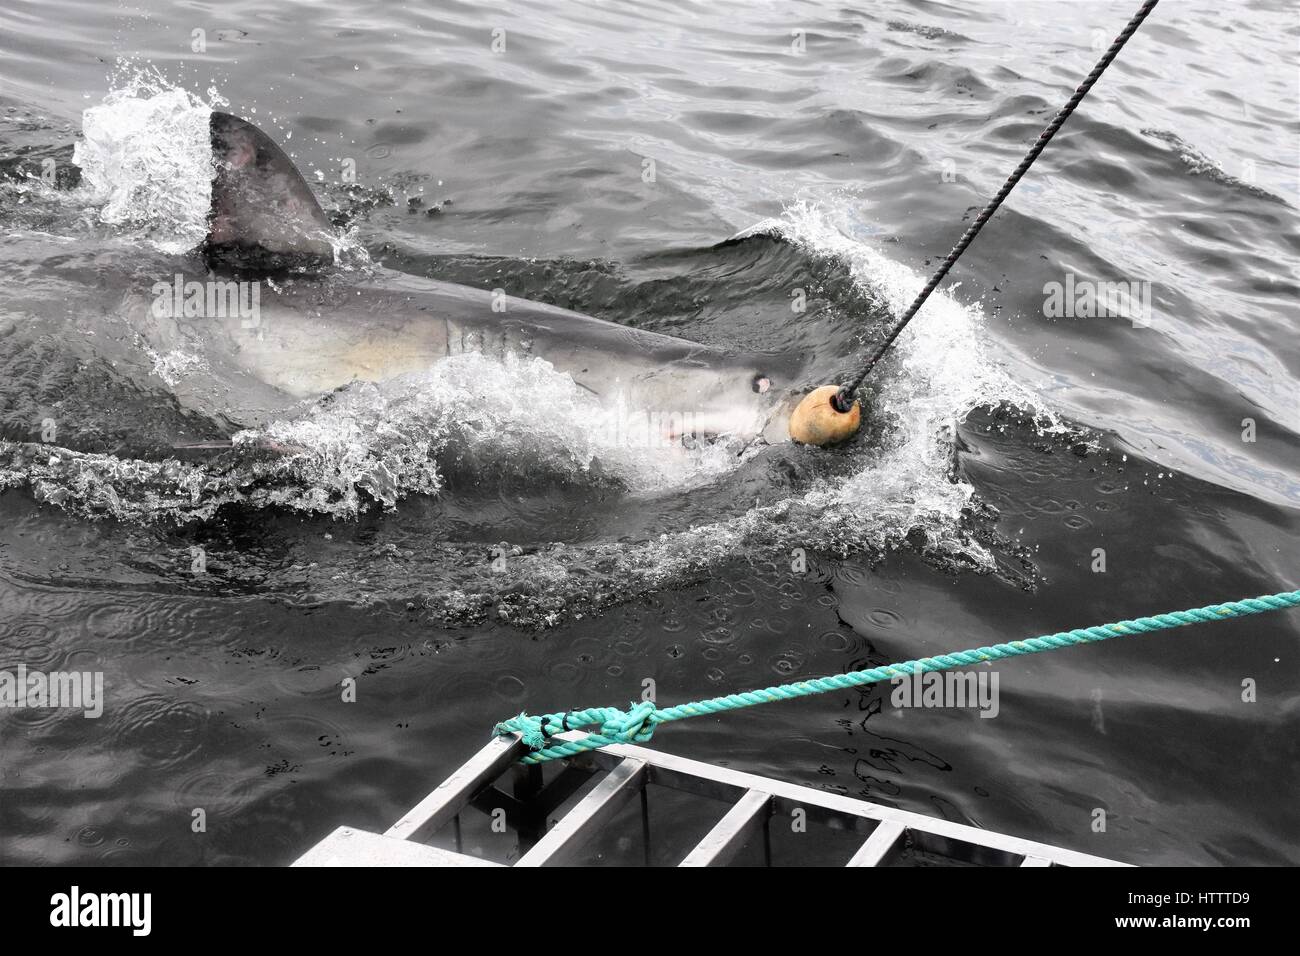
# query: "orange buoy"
815,421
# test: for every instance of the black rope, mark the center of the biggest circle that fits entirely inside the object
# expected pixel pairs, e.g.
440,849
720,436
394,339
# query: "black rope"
843,400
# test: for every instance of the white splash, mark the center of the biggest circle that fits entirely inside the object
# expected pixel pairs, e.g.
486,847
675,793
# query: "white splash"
146,160
489,408
937,373
174,365
495,406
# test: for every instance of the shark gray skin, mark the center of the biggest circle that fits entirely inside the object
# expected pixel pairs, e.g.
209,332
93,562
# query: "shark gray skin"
313,337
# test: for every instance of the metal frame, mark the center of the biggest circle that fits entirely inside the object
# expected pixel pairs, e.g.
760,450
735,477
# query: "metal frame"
754,800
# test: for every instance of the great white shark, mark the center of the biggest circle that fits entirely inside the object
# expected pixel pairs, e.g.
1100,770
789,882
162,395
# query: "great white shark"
311,338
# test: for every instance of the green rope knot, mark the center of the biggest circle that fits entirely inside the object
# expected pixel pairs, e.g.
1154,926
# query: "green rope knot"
537,732
636,725
532,729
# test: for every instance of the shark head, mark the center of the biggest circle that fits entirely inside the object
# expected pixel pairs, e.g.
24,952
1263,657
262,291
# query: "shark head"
747,396
261,205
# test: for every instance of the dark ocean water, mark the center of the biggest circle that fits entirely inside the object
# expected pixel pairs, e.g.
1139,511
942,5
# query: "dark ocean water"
470,551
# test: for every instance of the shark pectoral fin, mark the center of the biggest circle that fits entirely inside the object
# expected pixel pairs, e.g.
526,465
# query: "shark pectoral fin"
777,428
260,202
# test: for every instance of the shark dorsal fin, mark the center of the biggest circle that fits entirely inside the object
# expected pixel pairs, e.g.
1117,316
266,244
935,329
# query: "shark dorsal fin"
260,202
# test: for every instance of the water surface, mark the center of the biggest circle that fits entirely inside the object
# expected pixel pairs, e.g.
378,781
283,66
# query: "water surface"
463,557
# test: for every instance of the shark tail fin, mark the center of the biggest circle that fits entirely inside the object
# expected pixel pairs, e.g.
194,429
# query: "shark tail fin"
261,205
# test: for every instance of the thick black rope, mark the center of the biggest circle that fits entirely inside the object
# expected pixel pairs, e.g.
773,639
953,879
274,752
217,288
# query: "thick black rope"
843,400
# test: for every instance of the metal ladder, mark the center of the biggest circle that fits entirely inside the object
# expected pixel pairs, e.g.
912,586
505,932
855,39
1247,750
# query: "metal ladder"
886,831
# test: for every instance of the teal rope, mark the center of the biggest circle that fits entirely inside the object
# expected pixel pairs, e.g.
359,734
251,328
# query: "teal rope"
637,724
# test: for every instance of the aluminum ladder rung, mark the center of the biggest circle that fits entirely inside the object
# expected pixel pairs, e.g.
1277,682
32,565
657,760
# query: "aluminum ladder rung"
724,841
457,790
605,799
882,840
